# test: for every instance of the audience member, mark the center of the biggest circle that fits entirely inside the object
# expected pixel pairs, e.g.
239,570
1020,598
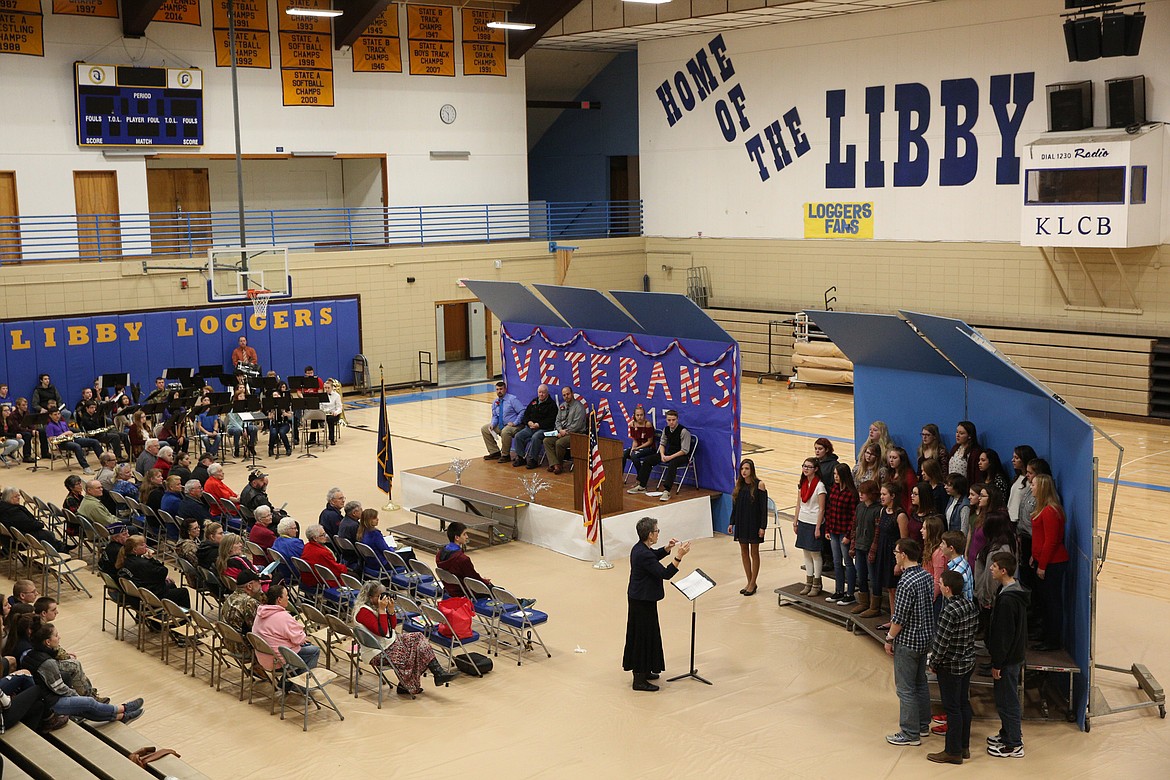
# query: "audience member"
124,483
46,609
148,458
317,553
92,508
107,462
15,514
187,547
330,517
41,661
369,535
182,467
453,557
408,653
24,592
216,487
154,488
165,461
209,548
231,560
288,543
276,626
108,563
200,471
348,530
149,573
239,608
192,505
255,493
261,533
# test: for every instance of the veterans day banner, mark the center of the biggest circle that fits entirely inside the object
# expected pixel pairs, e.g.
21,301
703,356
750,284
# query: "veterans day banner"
615,372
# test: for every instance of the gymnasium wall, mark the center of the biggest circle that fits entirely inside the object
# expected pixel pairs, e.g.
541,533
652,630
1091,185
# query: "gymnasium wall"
374,113
397,317
920,115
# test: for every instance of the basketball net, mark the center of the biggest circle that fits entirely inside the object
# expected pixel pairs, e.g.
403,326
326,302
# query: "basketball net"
260,299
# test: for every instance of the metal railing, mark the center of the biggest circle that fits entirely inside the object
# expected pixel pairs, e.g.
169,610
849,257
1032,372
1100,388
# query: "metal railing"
191,233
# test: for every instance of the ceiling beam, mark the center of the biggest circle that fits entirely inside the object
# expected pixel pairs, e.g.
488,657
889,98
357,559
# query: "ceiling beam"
359,14
136,15
544,14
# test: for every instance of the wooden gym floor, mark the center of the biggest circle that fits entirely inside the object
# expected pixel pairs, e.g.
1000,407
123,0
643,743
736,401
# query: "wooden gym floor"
793,696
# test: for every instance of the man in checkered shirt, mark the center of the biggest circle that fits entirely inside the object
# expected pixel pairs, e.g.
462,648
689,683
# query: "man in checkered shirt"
952,657
911,631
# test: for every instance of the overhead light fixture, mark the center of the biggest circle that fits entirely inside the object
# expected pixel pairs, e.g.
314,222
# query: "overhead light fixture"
505,25
313,12
312,153
450,155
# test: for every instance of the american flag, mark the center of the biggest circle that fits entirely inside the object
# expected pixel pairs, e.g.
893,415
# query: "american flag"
593,482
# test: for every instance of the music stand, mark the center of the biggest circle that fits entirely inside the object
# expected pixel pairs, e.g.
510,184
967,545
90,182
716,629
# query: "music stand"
692,586
36,424
277,405
255,416
178,373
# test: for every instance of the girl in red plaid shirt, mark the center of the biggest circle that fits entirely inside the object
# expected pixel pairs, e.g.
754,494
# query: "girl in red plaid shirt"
840,509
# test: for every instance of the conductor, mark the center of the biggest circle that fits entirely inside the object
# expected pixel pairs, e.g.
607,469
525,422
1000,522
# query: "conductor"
643,652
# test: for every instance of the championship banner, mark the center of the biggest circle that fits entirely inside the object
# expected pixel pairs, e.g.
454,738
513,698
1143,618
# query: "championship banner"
485,50
306,59
179,12
22,28
102,8
379,48
615,372
430,34
253,40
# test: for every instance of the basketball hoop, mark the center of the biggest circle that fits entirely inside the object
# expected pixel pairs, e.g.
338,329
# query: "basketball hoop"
259,299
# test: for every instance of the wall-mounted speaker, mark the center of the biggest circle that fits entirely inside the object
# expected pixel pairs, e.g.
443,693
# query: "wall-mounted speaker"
1070,106
1088,35
1125,101
1113,35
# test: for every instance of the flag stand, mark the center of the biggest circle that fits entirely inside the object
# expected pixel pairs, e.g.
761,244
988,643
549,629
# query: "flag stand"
385,457
602,563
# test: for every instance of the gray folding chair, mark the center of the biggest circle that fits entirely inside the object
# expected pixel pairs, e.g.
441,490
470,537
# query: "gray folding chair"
297,672
777,533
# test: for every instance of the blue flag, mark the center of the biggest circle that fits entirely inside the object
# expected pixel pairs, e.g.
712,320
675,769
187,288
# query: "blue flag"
385,454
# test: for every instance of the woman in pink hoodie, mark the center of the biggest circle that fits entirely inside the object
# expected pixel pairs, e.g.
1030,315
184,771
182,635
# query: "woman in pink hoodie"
276,626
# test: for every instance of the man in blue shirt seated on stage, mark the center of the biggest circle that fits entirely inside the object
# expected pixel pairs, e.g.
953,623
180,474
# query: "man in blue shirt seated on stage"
507,413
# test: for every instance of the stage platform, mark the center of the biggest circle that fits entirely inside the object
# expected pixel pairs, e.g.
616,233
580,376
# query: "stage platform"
1037,662
552,522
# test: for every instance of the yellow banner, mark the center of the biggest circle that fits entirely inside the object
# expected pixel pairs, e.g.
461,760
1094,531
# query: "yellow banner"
307,87
250,15
305,50
315,24
179,12
21,6
22,34
485,59
475,26
838,220
253,49
377,54
104,8
386,25
430,23
432,58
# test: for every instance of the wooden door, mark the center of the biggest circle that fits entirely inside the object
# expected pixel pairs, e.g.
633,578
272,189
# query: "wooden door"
180,210
491,343
9,219
456,344
99,233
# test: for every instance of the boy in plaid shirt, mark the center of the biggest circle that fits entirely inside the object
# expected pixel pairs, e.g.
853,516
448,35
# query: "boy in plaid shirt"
953,543
952,657
911,629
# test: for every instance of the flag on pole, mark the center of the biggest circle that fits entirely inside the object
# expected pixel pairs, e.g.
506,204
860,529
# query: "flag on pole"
385,454
594,478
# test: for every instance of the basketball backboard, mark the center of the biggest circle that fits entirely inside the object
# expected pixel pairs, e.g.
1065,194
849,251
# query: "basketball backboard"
233,271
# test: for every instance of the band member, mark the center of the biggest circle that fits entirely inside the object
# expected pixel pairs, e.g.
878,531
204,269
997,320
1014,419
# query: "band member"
243,354
94,425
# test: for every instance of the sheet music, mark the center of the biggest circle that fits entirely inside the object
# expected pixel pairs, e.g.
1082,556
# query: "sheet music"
694,584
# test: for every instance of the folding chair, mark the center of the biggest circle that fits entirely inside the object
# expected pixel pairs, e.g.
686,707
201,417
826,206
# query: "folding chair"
317,630
179,621
371,649
193,580
347,649
519,622
169,537
166,622
426,586
274,677
335,596
448,645
9,544
402,578
112,594
487,608
345,550
63,568
213,587
778,535
373,565
410,617
309,589
255,550
230,515
142,612
206,641
283,570
233,651
681,475
297,672
446,579
101,540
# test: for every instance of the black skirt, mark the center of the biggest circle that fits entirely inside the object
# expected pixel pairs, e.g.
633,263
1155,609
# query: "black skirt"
643,653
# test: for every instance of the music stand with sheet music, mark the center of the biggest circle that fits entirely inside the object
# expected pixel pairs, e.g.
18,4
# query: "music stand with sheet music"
36,424
692,586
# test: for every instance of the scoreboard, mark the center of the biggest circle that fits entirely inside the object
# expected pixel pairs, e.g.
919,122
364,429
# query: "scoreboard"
124,105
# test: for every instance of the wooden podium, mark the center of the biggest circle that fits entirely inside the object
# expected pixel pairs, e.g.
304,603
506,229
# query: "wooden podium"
611,460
